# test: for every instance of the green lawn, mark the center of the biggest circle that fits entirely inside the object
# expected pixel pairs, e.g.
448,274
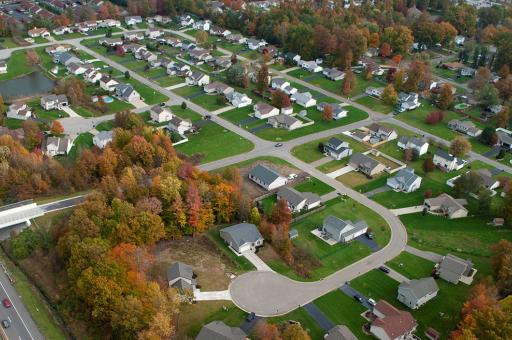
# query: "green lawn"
105,126
149,95
187,91
82,142
337,256
12,123
212,141
240,262
309,152
209,102
306,321
315,185
185,113
17,66
332,166
343,310
375,104
68,36
34,302
275,160
411,266
169,81
6,42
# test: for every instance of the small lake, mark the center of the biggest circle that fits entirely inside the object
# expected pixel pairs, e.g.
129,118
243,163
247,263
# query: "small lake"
28,85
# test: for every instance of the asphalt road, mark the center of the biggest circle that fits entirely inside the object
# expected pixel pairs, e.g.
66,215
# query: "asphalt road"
63,204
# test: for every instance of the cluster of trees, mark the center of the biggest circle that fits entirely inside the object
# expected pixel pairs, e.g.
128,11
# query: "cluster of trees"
75,90
487,314
289,331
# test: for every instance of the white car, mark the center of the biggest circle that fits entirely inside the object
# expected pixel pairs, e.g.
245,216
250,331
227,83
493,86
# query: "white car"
292,176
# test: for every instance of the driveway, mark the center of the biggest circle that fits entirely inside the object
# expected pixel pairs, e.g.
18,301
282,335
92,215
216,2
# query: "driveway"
213,295
256,261
319,317
352,292
261,127
367,242
408,210
427,255
321,161
376,191
396,275
71,112
340,172
493,152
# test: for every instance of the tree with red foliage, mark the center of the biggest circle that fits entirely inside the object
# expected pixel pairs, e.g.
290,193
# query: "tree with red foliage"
428,165
349,82
385,50
280,99
281,213
327,113
397,58
193,202
434,117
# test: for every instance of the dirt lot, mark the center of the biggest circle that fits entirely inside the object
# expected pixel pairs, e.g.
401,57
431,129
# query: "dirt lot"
211,268
255,190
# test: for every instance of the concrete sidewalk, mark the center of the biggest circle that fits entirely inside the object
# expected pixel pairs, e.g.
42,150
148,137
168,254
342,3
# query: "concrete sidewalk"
427,255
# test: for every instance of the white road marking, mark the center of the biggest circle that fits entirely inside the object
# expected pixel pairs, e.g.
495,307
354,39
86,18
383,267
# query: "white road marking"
19,316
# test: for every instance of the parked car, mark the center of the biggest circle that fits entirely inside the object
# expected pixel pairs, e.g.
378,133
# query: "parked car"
292,176
372,302
358,298
369,235
6,324
6,303
278,145
384,269
250,316
207,117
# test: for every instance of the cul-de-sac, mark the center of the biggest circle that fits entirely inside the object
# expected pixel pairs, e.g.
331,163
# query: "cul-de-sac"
255,170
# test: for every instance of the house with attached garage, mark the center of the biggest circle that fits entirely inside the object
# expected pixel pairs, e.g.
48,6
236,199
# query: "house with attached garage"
171,41
419,146
254,44
333,74
343,231
57,48
180,69
291,58
338,111
77,69
108,84
242,237
181,276
466,127
54,102
218,330
337,148
103,138
200,55
154,33
446,205
366,165
19,111
38,32
127,93
380,133
186,20
405,180
263,110
62,30
279,84
54,146
217,88
504,138
266,177
132,20
408,101
202,25
110,41
236,38
448,162
238,99
282,121
375,92
488,181
304,99
454,269
160,114
133,36
391,323
65,58
219,31
197,79
179,125
415,293
310,66
298,201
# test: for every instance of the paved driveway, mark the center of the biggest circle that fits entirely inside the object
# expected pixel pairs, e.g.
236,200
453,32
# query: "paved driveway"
352,292
408,210
342,171
319,317
367,242
376,191
256,261
212,295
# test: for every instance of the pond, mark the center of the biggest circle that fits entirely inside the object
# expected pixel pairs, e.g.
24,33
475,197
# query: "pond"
28,85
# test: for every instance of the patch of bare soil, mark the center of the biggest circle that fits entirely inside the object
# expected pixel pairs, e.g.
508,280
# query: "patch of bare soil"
201,253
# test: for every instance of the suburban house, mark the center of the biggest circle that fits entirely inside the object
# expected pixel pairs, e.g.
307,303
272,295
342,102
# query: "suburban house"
200,55
340,332
466,127
447,162
488,181
446,205
62,30
53,146
92,76
132,20
266,177
454,269
298,201
57,48
154,33
54,102
310,65
179,125
77,68
236,38
391,323
279,84
504,138
186,20
217,88
103,138
333,74
126,92
198,79
337,148
263,110
408,101
242,237
459,40
219,31
238,99
291,58
65,58
304,99
282,121
172,41
218,330
108,84
375,92
254,44
381,133
38,32
343,231
160,114
405,181
19,111
366,165
202,25
133,36
338,111
110,41
467,72
3,66
181,276
419,146
415,293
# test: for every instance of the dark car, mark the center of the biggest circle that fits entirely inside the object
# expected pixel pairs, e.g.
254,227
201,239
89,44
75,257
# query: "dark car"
6,324
250,316
278,145
207,117
369,236
6,303
162,104
384,269
358,298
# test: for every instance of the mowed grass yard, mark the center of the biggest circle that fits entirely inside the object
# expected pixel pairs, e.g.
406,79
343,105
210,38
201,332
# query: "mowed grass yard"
375,104
313,184
17,66
337,256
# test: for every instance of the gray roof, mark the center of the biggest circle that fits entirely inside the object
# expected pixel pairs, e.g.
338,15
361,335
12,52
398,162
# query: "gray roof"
455,265
405,177
413,140
264,173
337,226
218,330
180,270
241,233
443,154
61,98
337,143
340,332
283,119
504,137
61,143
421,287
364,161
104,135
291,195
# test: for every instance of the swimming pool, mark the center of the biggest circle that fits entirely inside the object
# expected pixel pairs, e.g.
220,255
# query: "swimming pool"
107,99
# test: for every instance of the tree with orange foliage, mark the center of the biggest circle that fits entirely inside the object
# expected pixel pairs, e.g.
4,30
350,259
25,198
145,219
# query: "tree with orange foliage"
385,50
327,113
193,202
397,58
57,128
62,20
267,331
349,82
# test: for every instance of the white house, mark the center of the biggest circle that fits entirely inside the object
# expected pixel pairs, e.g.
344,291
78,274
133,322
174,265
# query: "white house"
337,148
181,276
405,181
448,162
127,93
54,102
3,66
466,127
254,44
186,20
53,146
154,33
338,111
202,25
419,146
38,32
415,293
408,101
19,111
179,125
391,323
375,92
298,201
279,84
160,114
198,79
132,20
241,238
343,231
263,110
108,84
76,68
310,66
92,76
333,74
304,99
238,99
266,177
102,139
